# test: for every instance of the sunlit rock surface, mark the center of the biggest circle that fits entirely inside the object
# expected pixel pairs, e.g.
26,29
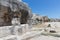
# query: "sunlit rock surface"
14,7
11,32
22,32
25,31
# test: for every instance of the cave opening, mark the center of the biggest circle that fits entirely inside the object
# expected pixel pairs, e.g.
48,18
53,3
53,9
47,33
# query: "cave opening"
24,16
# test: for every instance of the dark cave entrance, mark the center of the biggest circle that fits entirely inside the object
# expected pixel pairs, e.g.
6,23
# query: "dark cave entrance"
24,16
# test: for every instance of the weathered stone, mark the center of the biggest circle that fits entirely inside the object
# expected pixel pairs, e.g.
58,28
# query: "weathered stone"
14,7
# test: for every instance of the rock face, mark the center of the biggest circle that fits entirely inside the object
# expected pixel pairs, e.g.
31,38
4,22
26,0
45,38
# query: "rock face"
39,19
11,32
9,8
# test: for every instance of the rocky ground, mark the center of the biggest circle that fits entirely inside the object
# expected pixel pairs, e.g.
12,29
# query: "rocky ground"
38,32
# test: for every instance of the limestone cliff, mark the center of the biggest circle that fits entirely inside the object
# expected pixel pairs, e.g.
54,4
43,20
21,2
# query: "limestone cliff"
9,8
